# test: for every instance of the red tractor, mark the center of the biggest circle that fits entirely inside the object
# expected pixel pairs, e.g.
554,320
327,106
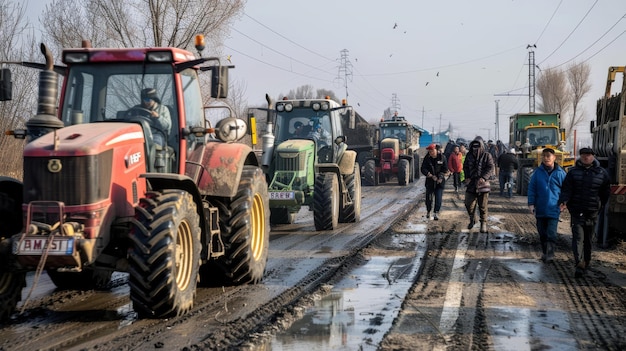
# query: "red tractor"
106,188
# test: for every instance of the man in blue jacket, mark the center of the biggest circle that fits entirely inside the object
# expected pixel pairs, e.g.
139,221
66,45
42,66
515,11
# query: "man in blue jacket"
544,190
585,192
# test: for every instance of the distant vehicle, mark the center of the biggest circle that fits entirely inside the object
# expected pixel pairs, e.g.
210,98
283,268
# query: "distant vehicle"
530,133
396,155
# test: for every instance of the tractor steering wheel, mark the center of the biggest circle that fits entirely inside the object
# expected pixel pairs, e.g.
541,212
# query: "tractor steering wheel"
139,113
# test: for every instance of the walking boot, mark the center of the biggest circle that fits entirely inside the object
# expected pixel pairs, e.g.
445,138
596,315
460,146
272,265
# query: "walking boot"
550,252
580,270
436,216
483,226
471,223
544,248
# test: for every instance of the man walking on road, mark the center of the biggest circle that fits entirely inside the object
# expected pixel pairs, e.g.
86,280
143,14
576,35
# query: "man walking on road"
544,190
508,164
585,192
455,166
434,167
478,168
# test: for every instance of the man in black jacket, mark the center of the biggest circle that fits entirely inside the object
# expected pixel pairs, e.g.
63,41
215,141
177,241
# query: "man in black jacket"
434,167
585,192
479,168
508,164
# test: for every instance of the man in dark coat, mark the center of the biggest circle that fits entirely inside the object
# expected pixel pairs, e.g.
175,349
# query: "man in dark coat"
585,192
434,167
478,168
508,163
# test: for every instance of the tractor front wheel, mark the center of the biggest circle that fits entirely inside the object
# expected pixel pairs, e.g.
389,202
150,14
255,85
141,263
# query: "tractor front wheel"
165,256
326,201
11,284
352,212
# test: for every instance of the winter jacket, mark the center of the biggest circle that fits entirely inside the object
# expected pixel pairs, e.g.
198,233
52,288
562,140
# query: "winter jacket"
436,166
508,162
585,189
455,162
544,190
478,164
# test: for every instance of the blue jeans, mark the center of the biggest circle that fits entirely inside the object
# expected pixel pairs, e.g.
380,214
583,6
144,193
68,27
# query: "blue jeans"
437,193
546,227
506,177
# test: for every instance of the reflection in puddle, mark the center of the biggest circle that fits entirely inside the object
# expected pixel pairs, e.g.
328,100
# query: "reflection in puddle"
359,310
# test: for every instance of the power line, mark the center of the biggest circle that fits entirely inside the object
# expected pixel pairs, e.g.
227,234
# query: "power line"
570,34
549,21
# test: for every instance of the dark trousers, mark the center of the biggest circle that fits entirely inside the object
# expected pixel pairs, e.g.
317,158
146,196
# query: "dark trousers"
506,177
456,177
434,194
480,199
583,235
546,227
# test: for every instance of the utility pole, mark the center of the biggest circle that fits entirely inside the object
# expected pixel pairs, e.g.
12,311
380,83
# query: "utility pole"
345,70
531,78
497,121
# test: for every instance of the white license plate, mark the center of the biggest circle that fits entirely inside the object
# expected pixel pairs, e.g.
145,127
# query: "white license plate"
282,195
36,246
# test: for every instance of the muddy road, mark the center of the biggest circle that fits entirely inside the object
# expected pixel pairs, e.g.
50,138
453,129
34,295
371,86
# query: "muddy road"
394,281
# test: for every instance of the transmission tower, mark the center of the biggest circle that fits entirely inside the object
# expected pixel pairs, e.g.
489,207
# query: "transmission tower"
345,70
395,102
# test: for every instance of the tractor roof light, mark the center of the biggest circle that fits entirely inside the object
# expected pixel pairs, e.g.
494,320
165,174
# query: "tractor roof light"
75,57
316,106
199,42
160,56
284,107
325,106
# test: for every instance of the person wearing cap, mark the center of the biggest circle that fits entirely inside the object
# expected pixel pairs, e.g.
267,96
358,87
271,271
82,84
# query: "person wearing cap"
434,167
508,163
585,192
158,113
479,169
544,190
298,129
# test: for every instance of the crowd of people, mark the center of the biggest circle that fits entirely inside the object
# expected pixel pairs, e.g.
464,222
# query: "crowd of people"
583,190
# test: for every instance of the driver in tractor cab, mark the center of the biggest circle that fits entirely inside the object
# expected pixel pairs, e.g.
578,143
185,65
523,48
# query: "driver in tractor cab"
160,113
320,135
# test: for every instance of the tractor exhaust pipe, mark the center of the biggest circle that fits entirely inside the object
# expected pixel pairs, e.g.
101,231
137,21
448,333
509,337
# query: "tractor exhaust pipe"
268,138
46,120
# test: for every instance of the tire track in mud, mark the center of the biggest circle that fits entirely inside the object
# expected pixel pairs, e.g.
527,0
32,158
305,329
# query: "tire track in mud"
596,308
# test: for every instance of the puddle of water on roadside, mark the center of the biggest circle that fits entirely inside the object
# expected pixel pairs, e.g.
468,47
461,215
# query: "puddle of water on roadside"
359,309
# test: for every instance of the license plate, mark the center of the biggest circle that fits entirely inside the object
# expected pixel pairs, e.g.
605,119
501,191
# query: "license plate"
282,195
36,246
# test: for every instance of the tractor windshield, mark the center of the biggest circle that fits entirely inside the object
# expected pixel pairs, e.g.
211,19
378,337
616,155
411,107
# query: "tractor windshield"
542,136
394,132
302,123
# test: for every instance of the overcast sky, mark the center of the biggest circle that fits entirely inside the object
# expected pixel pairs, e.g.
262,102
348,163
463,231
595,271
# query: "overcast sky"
445,61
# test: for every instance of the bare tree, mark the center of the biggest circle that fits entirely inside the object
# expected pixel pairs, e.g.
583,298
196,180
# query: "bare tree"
553,92
578,78
323,93
136,23
16,45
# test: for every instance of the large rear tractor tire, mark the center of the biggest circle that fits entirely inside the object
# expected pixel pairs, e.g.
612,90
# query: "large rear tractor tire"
416,166
369,173
88,279
165,256
282,216
527,172
352,213
326,201
245,231
11,284
403,172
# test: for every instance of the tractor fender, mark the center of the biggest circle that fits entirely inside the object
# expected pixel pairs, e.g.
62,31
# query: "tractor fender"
346,164
217,168
11,199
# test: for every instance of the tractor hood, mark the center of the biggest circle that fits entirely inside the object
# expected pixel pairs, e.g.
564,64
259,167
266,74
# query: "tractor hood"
295,145
85,139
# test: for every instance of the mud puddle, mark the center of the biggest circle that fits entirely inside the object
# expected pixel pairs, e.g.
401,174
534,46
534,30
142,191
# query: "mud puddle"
356,312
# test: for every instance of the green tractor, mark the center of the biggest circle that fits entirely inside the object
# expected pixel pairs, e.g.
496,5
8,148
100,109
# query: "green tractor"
307,162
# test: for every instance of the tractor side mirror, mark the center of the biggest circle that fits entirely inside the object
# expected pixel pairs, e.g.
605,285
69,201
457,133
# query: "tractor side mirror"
6,85
219,82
